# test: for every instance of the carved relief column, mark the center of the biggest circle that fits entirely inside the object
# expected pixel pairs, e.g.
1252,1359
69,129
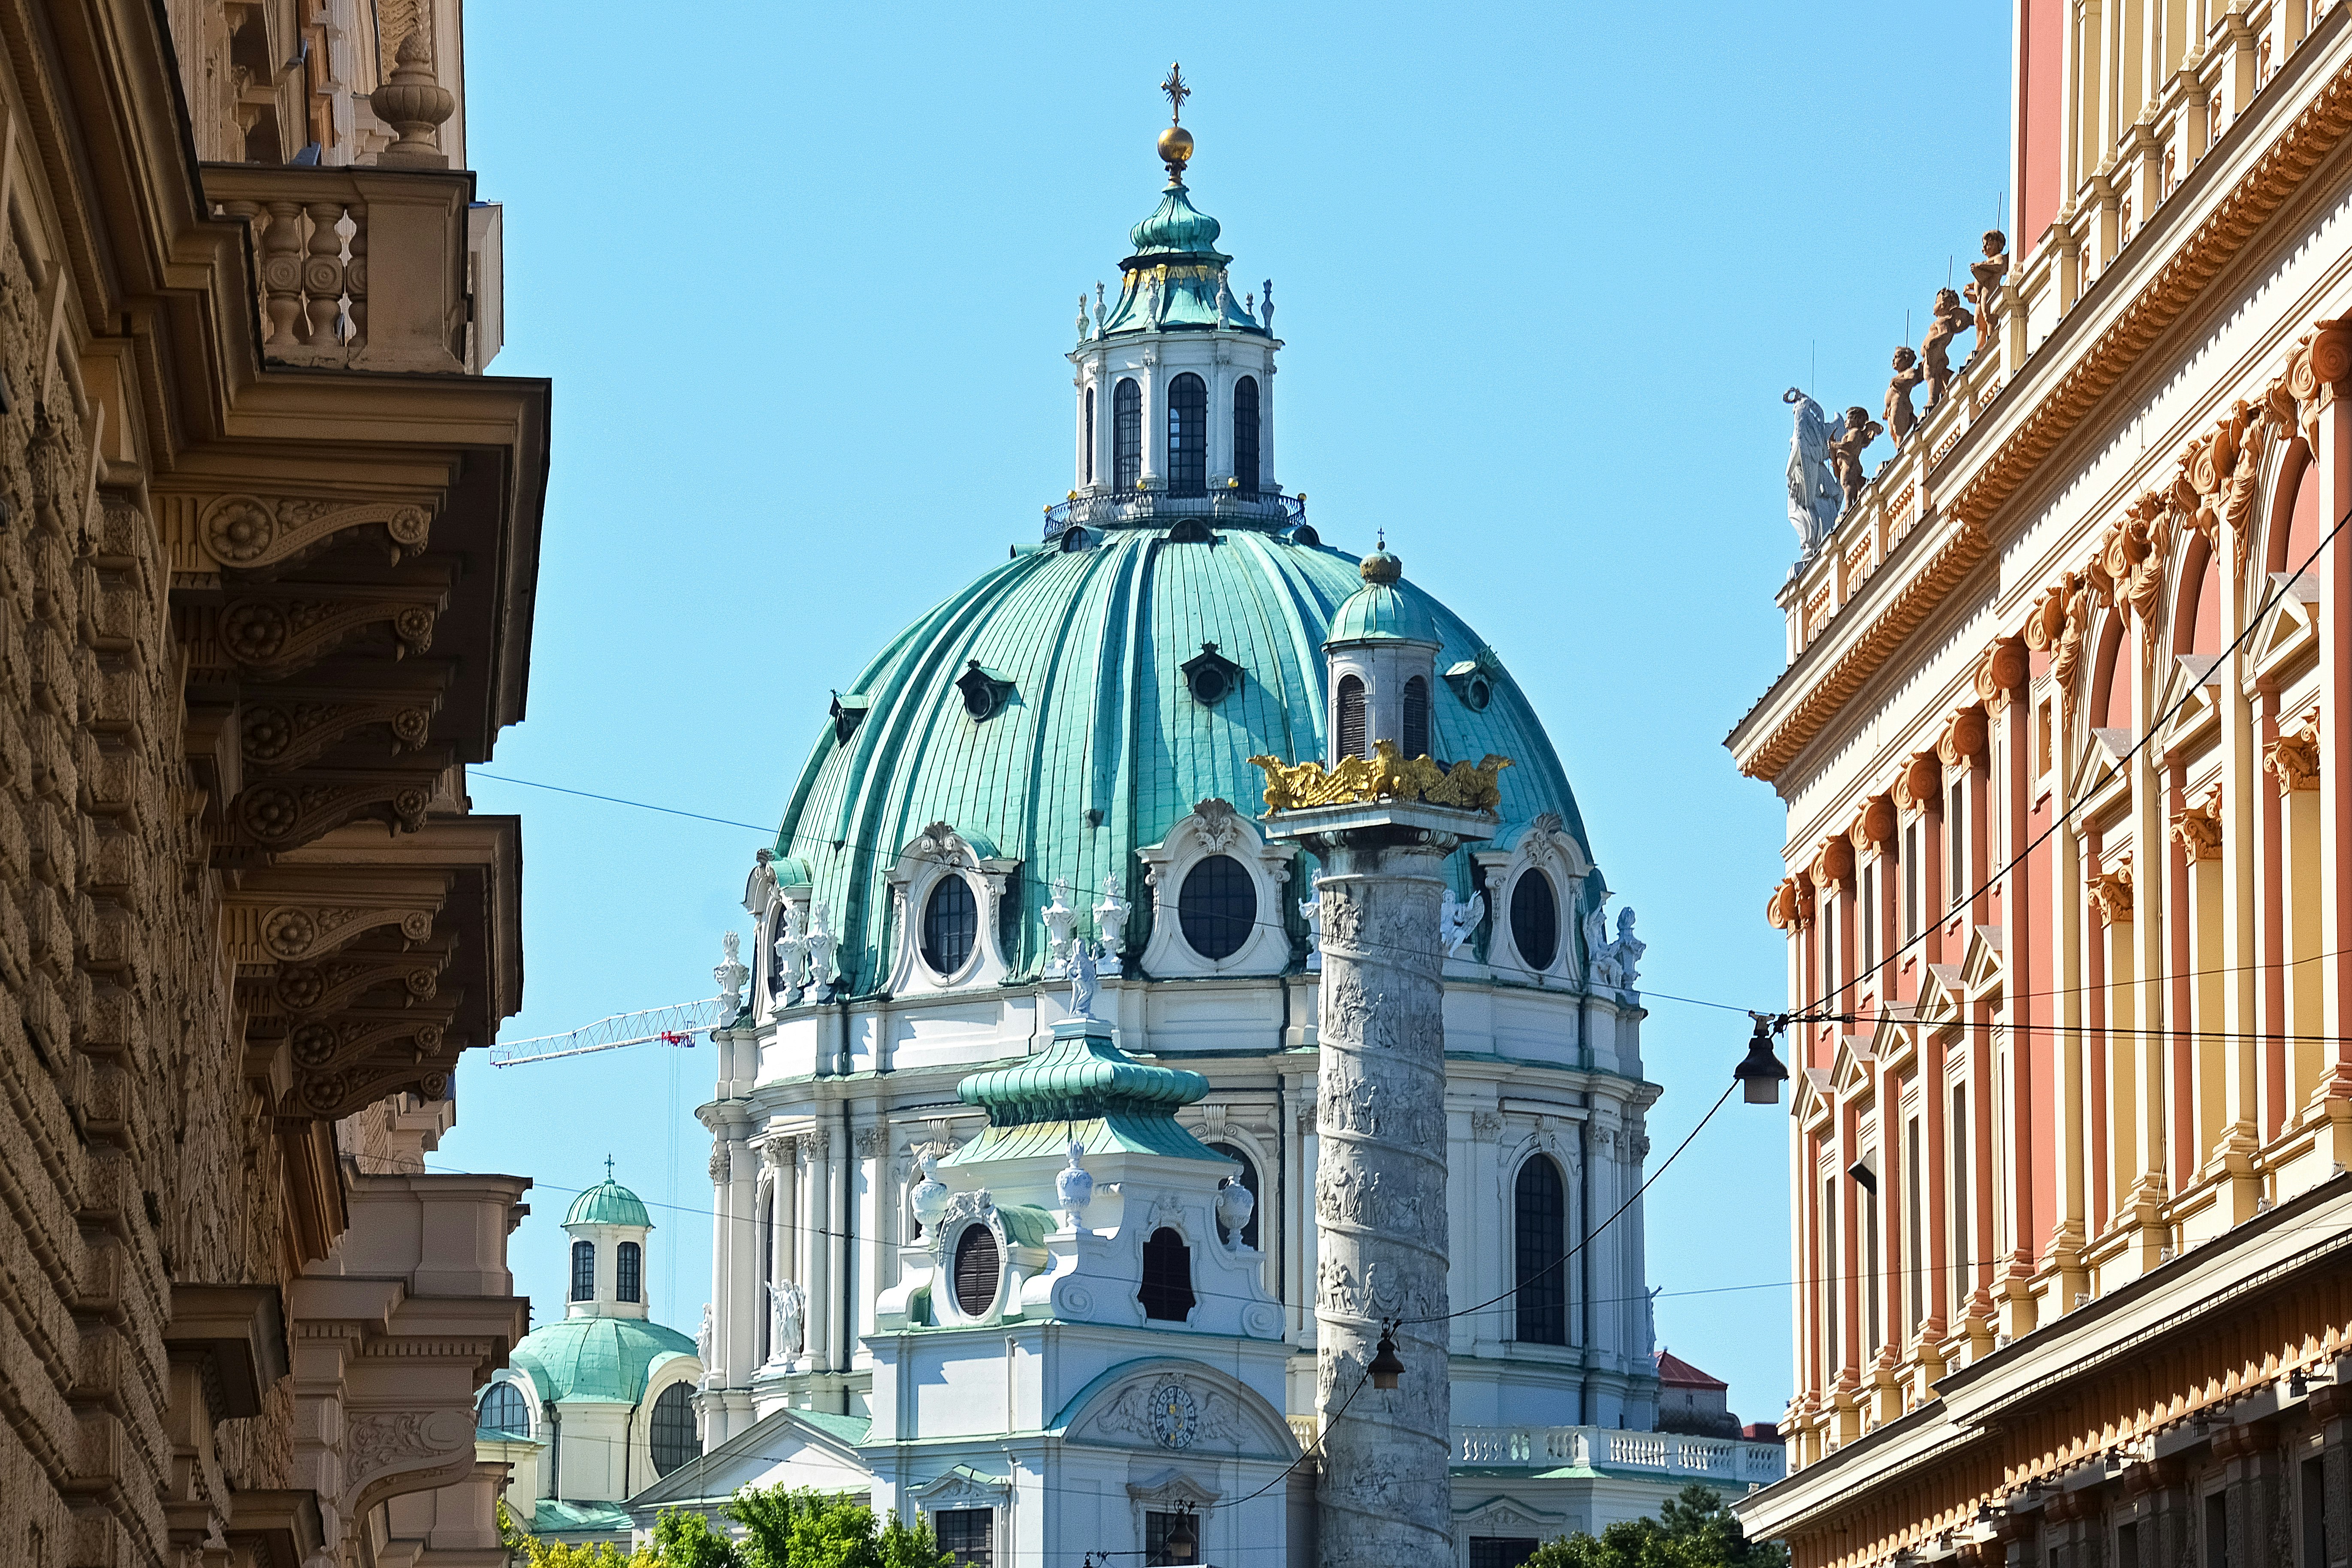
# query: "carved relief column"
1385,1499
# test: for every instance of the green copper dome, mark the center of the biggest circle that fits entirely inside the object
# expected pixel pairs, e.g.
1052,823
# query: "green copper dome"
1176,280
1176,228
1077,1077
608,1203
1383,609
597,1358
1098,745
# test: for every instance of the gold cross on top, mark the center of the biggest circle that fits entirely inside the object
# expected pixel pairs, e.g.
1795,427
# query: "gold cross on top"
1177,93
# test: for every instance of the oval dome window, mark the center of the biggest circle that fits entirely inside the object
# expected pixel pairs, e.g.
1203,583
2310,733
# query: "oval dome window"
1535,920
1217,906
951,923
975,1270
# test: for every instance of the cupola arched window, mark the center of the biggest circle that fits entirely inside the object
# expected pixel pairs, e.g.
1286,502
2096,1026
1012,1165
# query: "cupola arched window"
1217,907
1246,435
1539,1210
503,1409
1127,436
1248,1178
1188,436
1167,1292
951,925
1352,716
584,1270
975,1270
1535,920
1416,717
675,1441
628,1271
1090,435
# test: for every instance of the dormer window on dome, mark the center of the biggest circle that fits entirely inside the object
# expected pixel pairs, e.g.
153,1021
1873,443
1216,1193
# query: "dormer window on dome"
1210,676
985,691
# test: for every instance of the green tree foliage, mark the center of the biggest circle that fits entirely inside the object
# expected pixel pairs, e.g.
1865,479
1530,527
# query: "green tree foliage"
782,1528
1693,1529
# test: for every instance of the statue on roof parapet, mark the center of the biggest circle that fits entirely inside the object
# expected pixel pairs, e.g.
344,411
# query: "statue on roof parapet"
1846,446
1902,419
1984,293
1814,494
1951,318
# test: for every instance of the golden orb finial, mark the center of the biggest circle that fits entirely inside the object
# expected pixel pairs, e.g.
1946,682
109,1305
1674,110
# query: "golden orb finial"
1176,142
1381,566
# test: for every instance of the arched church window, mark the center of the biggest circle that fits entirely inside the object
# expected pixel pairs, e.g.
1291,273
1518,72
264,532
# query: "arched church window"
1167,1292
1246,435
1416,717
1217,906
1352,716
584,1270
1127,434
503,1409
777,976
1540,1212
975,1270
1090,435
951,924
1188,436
1535,920
1248,1178
675,1441
628,1271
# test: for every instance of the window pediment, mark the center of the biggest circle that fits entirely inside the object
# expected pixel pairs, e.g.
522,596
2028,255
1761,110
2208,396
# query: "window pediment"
938,852
1218,900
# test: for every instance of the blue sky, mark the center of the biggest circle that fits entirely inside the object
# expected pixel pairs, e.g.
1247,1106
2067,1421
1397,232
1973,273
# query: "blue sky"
803,278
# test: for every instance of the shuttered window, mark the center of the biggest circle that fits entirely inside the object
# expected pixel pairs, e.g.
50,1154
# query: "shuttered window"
975,1270
1352,716
1416,717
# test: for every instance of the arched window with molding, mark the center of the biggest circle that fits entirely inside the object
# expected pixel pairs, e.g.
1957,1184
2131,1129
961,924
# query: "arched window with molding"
1352,716
675,1440
1416,717
1539,1218
1245,435
584,1270
503,1410
1127,434
1188,436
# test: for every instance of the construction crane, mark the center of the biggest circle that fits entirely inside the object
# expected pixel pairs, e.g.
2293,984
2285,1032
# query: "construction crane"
675,1025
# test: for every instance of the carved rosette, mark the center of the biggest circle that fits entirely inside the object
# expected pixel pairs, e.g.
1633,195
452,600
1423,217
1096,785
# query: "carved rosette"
247,532
274,636
1380,1211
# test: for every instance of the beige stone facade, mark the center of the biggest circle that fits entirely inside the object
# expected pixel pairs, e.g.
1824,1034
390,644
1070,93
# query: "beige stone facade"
2068,814
260,604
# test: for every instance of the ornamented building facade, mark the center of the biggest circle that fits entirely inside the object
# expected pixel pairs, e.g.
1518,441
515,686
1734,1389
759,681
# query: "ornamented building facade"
268,549
2069,808
1047,780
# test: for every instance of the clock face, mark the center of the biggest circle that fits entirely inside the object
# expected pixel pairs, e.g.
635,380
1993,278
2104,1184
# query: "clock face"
1175,1420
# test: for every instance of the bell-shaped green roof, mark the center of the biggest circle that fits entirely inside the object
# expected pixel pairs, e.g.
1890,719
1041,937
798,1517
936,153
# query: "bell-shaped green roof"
608,1203
1176,228
597,1358
1383,609
1081,1088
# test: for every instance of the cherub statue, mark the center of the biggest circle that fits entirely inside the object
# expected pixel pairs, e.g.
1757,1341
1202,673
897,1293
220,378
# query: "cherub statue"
1813,494
1902,419
1455,921
1985,292
1847,448
1951,318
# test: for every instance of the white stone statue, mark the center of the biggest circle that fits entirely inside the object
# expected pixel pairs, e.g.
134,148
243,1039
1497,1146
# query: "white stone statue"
1457,922
1601,965
787,1309
731,974
791,948
1815,497
1110,925
1151,300
705,1336
1311,909
1083,333
820,944
1235,1204
1082,985
1625,952
1102,316
1225,297
1074,1183
1060,920
929,1194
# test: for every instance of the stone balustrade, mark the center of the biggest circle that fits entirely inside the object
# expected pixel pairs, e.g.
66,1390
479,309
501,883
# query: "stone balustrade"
356,267
1733,1464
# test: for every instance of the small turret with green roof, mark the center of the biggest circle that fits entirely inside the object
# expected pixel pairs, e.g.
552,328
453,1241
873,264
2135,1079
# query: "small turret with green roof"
608,1226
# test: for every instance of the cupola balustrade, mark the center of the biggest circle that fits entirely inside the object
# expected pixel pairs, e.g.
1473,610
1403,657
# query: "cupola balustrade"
1142,509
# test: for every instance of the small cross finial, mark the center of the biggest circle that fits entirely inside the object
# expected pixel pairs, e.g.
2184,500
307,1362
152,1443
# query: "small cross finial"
1177,93
608,1168
1380,540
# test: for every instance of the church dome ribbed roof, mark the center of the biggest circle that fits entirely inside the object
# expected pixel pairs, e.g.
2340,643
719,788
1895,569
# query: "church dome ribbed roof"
1097,746
1176,228
597,1358
608,1203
